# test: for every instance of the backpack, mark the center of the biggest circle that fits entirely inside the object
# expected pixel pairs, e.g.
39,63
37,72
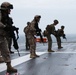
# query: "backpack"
26,29
49,28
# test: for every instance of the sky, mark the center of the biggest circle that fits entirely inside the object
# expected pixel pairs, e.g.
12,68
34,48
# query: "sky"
62,10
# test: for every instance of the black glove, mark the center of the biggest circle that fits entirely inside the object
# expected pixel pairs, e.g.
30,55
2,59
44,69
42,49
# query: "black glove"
15,28
64,36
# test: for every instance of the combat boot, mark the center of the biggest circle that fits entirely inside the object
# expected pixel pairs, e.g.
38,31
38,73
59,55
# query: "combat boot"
11,52
10,69
51,51
32,55
36,55
60,47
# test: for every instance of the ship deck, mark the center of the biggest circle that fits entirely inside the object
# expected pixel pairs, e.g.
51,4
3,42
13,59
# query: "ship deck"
60,62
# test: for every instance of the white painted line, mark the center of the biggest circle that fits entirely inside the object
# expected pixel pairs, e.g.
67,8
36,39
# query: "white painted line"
63,52
50,52
25,58
18,61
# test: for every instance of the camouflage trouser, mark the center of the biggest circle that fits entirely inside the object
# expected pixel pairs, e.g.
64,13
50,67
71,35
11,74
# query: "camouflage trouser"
1,58
27,43
4,50
9,40
58,41
49,41
45,33
32,44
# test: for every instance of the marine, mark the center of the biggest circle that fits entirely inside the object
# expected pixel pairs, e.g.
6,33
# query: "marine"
24,30
37,30
5,9
31,32
50,29
60,33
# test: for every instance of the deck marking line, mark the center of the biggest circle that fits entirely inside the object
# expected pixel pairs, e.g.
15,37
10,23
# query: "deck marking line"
18,61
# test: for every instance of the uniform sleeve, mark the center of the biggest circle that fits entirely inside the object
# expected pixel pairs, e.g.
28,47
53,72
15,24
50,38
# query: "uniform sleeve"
32,28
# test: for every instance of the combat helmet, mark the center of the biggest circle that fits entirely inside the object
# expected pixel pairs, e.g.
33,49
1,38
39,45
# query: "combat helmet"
56,21
28,23
37,16
62,27
6,5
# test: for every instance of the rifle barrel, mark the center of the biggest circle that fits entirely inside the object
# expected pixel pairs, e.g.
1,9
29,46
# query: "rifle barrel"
18,52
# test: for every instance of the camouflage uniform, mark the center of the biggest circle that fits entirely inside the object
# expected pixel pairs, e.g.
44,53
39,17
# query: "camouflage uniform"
3,43
1,58
58,42
30,32
27,41
9,40
34,25
5,9
60,33
50,29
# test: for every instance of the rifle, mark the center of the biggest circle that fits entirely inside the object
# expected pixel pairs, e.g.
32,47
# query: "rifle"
15,44
7,21
64,36
12,35
59,34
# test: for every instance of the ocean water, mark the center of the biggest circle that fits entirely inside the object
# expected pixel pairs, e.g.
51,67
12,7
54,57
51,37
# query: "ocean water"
71,38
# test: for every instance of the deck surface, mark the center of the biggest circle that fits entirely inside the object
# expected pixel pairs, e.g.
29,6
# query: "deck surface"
60,62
